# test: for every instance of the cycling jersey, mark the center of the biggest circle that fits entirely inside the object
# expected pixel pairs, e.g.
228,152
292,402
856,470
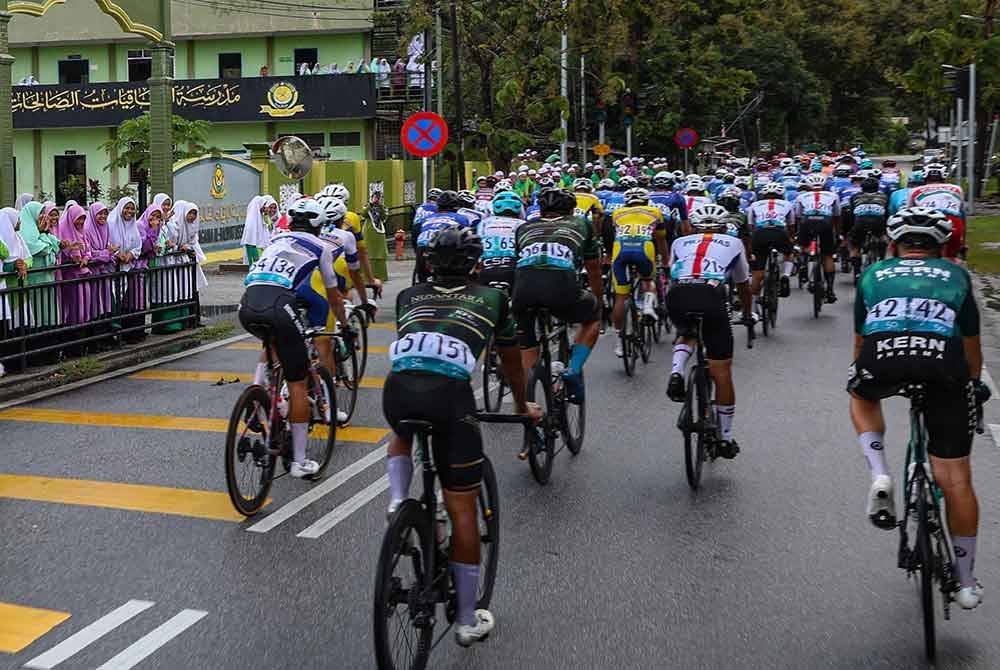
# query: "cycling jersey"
845,194
946,198
603,197
791,185
497,234
898,200
817,204
890,181
635,225
472,217
770,213
693,202
345,258
436,222
352,222
615,201
837,184
555,243
424,212
289,260
747,197
484,201
708,257
868,207
673,206
587,204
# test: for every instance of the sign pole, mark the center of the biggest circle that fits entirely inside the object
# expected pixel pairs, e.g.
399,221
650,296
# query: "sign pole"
687,170
628,140
600,138
958,140
970,208
426,175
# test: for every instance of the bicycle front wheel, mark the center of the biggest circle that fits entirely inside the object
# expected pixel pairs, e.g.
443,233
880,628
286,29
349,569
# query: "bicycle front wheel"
926,558
541,445
323,422
249,465
359,323
348,380
494,386
488,513
404,608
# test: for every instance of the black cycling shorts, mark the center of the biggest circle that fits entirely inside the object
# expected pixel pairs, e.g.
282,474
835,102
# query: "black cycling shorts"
861,228
888,362
269,312
710,301
449,404
556,290
763,240
821,228
498,277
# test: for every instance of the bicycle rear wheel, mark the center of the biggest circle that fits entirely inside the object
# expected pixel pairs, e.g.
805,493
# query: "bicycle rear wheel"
348,379
645,335
628,343
772,297
541,445
818,289
494,385
926,558
488,508
765,305
403,619
249,465
694,445
359,323
323,423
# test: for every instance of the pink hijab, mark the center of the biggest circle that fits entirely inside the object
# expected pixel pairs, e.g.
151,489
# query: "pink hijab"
68,232
97,235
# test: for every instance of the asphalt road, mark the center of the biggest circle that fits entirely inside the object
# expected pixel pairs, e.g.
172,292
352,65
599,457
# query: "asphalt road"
614,564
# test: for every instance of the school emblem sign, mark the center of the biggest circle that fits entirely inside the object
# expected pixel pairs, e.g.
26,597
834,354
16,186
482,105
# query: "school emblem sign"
282,100
218,189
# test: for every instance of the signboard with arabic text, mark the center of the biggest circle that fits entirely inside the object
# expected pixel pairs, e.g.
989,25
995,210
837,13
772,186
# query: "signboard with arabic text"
248,99
222,187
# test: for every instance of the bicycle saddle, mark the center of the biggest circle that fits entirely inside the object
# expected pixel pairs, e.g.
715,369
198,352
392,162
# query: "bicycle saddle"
417,425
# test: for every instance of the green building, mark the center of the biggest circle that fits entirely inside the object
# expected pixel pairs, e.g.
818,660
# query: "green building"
234,65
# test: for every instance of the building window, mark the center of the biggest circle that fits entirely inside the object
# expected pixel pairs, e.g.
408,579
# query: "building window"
74,71
347,139
230,66
314,140
308,56
140,65
67,166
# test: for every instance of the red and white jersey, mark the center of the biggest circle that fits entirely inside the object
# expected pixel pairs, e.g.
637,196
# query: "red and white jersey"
693,202
946,198
708,256
770,213
817,203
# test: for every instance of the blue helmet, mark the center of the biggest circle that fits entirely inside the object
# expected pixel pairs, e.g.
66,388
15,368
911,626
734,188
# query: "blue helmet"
507,202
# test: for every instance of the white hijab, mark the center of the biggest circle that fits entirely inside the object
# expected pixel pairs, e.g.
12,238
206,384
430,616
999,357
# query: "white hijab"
23,200
187,233
255,229
124,233
15,245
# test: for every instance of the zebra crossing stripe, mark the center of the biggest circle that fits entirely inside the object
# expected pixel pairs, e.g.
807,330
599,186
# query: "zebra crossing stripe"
88,635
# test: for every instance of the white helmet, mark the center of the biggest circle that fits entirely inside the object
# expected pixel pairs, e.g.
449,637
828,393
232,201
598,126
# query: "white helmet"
742,181
583,184
709,217
774,188
785,162
636,196
919,221
334,208
790,171
503,185
678,175
338,191
695,184
606,184
309,210
467,197
814,181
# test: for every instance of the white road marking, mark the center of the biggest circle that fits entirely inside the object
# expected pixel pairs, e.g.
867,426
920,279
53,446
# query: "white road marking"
147,645
95,631
995,433
296,505
985,374
347,508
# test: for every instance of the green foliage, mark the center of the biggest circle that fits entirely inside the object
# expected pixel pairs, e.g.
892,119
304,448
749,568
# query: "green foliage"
42,196
74,187
116,193
131,145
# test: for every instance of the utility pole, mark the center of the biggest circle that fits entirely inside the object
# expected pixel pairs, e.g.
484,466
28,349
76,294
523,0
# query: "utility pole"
583,112
958,140
971,153
428,102
563,85
457,87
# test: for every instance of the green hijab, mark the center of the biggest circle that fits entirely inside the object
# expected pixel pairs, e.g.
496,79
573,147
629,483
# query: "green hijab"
29,228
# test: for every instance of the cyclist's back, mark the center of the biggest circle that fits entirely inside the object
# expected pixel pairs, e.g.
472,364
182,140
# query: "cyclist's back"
497,233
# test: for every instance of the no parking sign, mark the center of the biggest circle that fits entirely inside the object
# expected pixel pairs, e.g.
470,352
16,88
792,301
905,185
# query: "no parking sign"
424,134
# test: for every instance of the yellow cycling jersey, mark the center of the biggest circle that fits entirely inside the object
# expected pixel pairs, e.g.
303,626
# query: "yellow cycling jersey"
354,225
587,203
637,223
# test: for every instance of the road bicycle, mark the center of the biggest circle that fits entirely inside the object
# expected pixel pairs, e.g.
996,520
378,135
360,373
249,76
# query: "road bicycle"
637,329
872,251
358,316
546,387
930,557
412,575
697,421
769,292
259,436
494,383
814,265
663,321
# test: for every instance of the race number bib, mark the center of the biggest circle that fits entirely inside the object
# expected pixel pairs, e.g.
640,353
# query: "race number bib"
894,315
432,352
496,246
552,254
271,271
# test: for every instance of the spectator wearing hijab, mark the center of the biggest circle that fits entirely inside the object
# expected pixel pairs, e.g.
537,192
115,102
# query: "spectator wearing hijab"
162,282
398,76
44,248
15,312
384,70
23,200
124,232
181,233
76,297
103,258
256,231
163,201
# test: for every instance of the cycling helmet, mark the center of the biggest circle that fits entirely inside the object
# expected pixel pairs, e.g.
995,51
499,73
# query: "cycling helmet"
637,196
338,191
546,182
888,163
866,164
556,200
815,182
860,175
306,215
627,182
693,177
742,171
919,223
934,172
816,166
842,171
454,251
663,180
334,209
720,173
730,198
449,201
606,184
870,184
786,162
695,185
773,189
583,184
916,178
709,217
503,185
678,175
875,173
507,202
434,193
742,181
790,171
728,178
467,197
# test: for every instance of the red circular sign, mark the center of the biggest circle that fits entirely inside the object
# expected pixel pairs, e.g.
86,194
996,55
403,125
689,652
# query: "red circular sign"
686,138
424,134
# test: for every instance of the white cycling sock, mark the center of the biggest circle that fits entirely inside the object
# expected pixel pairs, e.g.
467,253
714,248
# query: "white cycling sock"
965,558
400,471
649,300
872,447
786,268
260,374
681,354
726,414
300,433
466,578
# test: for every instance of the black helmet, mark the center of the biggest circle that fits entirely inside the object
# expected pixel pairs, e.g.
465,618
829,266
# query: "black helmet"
454,251
870,184
449,201
556,200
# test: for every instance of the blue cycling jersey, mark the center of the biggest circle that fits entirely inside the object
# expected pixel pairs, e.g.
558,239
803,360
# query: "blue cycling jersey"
603,197
746,198
671,204
845,195
424,212
615,201
438,221
533,213
898,200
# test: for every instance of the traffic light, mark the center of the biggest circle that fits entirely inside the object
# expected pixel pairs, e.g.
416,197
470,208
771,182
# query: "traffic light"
600,112
628,107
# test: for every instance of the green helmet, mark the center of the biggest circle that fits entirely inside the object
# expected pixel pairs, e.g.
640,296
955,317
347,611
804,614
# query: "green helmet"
866,164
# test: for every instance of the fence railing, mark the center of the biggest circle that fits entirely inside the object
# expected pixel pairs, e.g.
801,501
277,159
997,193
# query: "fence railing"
65,309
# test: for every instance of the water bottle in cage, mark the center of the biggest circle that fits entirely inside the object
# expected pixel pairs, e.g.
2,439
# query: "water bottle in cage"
558,367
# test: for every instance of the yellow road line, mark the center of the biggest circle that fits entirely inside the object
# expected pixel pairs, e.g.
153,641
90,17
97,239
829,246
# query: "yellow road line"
223,255
20,625
190,423
197,376
382,326
255,346
134,497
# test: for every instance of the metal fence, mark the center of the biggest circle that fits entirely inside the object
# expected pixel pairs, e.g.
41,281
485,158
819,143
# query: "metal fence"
65,310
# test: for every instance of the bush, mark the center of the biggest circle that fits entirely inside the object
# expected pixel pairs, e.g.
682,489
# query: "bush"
116,193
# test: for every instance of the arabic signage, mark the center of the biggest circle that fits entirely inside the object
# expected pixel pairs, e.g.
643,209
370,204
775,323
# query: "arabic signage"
222,187
249,99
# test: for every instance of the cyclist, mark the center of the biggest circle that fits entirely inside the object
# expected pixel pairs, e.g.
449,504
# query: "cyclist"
270,300
868,211
672,204
441,333
497,236
747,194
640,232
700,265
588,205
730,199
841,178
892,178
790,180
947,199
468,208
550,252
352,223
916,321
424,212
695,198
448,204
817,215
899,198
770,219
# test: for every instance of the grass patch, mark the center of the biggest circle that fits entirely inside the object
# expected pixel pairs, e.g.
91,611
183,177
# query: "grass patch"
215,332
983,238
80,368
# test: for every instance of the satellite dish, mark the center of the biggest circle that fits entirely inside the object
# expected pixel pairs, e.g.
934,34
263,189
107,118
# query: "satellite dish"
292,157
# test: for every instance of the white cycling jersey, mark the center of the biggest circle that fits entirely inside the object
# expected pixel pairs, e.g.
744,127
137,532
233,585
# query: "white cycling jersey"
770,213
344,244
817,203
708,256
289,261
497,234
693,202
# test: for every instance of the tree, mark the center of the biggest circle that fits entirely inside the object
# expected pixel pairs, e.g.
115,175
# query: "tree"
131,145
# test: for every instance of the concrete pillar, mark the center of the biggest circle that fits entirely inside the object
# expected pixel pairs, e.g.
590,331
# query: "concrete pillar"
36,147
7,182
161,159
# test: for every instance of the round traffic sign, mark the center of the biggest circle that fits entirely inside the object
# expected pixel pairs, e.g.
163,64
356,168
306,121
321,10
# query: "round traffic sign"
424,134
602,149
686,138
